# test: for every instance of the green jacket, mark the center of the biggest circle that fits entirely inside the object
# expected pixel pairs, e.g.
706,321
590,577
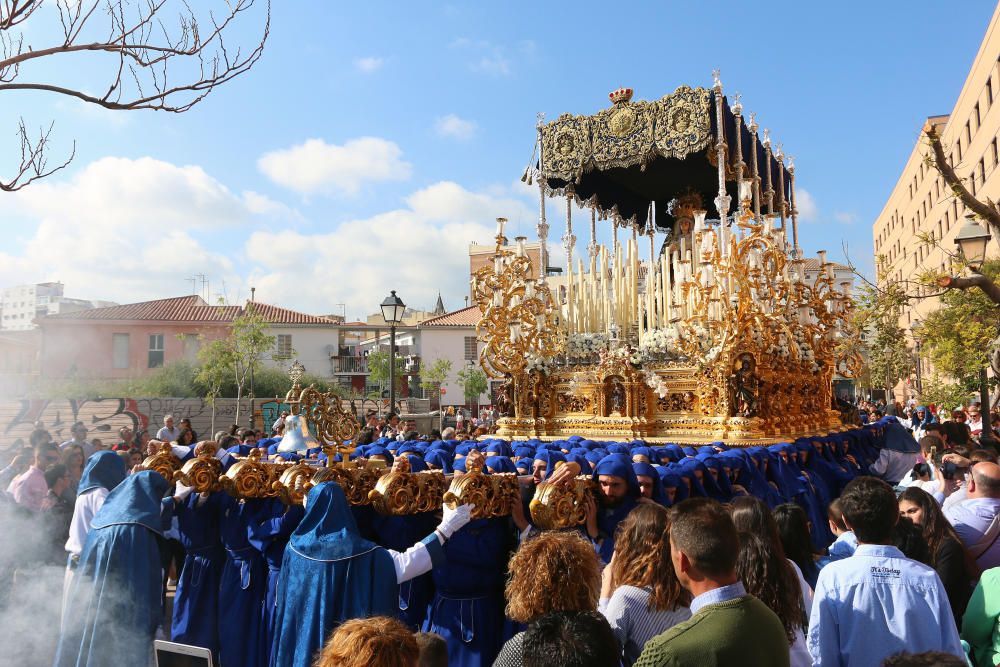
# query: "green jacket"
979,625
741,632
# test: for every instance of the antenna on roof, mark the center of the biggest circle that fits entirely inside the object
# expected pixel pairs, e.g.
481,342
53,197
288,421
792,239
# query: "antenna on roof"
192,280
204,281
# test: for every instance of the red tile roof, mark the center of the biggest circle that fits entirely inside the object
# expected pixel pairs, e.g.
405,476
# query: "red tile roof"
466,317
278,315
190,308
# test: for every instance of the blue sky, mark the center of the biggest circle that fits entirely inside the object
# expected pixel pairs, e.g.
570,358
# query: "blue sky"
375,140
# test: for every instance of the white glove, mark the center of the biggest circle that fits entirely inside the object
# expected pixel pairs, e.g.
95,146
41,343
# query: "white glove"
182,492
453,519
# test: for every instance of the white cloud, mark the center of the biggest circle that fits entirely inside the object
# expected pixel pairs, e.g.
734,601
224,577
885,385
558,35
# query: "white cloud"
806,206
845,217
264,205
369,64
455,127
486,57
318,167
494,64
417,250
134,230
124,230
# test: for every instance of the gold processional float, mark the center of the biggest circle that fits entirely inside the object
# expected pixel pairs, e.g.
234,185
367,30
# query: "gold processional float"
715,336
396,491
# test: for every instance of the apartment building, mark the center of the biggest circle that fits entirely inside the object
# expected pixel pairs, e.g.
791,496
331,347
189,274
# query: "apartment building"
920,205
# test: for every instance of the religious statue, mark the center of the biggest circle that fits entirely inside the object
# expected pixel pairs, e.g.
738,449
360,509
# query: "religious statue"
746,386
617,397
503,401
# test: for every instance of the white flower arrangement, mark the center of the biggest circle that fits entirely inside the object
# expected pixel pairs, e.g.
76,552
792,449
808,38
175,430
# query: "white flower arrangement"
659,341
657,384
538,363
579,346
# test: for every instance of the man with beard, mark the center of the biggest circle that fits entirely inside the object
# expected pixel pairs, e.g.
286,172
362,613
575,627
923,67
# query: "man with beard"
620,493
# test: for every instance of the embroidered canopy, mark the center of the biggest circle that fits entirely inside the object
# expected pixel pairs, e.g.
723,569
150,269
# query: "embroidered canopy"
633,155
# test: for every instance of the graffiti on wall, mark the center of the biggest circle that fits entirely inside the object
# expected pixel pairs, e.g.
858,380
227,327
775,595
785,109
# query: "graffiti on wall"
105,416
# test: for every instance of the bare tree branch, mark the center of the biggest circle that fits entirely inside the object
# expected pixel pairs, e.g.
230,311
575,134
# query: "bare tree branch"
989,288
160,63
14,12
986,210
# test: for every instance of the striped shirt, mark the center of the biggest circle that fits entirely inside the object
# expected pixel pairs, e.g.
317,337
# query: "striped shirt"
634,623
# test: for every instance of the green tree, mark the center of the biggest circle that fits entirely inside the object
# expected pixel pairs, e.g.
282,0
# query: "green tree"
433,376
877,312
944,393
214,371
237,357
378,369
473,382
959,335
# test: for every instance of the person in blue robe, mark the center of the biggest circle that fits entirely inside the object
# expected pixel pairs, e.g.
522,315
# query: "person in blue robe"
702,482
399,533
500,464
714,476
440,459
674,490
612,509
468,605
674,452
270,524
330,574
655,484
114,607
750,477
801,491
196,601
241,587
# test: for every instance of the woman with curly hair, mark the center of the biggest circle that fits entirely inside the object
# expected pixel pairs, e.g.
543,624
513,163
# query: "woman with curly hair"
947,555
551,572
378,641
766,575
640,594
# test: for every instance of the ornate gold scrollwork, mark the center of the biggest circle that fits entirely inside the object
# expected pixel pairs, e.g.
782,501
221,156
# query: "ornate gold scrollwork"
683,122
201,473
491,494
295,483
555,507
163,462
566,145
248,478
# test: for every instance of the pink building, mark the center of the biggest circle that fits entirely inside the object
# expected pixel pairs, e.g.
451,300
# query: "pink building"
135,339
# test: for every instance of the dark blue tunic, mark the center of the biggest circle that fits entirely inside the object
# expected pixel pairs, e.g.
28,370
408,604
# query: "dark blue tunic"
196,601
241,589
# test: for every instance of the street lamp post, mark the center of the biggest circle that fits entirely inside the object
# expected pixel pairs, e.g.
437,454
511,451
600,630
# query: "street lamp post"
971,240
392,312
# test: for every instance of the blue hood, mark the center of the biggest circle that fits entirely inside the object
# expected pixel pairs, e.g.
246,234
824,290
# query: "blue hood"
327,531
137,500
104,469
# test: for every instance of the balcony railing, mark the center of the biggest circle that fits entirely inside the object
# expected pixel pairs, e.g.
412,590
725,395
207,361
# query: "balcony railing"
350,365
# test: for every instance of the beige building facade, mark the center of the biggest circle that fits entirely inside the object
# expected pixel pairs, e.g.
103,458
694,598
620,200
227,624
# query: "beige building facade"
921,205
